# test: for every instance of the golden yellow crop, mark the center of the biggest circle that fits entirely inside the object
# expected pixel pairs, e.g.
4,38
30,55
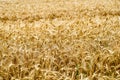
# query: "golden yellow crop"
59,39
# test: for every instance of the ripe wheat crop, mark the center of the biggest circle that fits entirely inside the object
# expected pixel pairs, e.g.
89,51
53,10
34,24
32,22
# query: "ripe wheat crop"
59,39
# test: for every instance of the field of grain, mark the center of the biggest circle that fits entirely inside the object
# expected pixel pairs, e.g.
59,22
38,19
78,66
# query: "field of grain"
59,39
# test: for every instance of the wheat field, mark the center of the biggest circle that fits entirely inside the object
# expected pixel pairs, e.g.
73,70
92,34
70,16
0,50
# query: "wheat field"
59,39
